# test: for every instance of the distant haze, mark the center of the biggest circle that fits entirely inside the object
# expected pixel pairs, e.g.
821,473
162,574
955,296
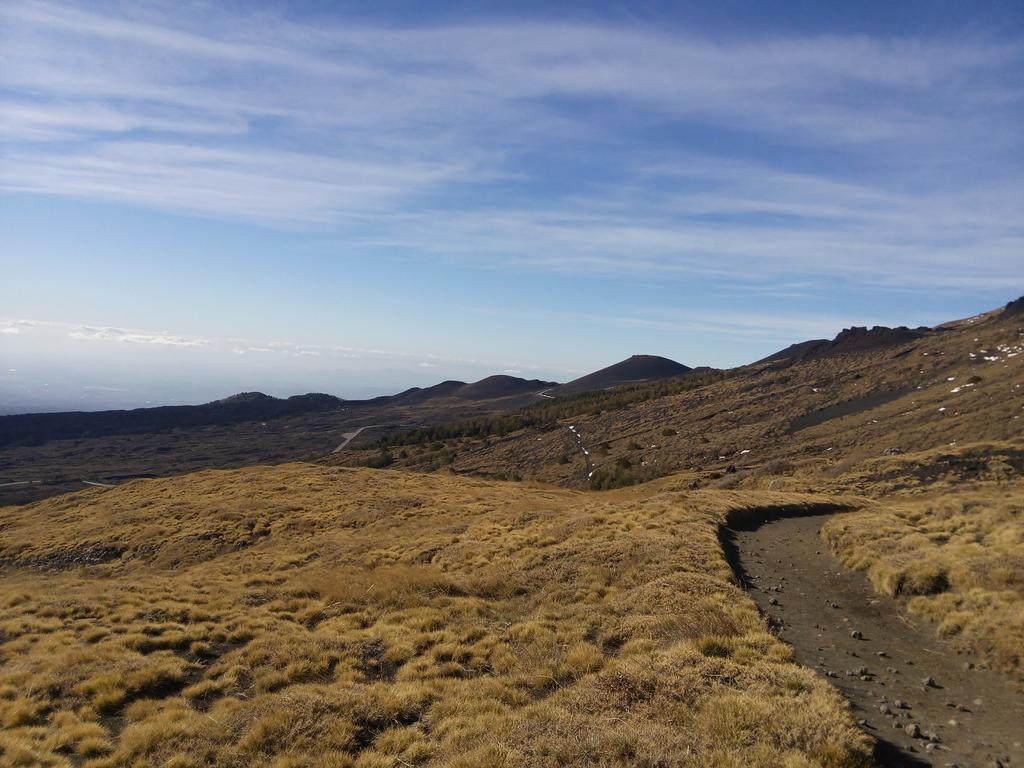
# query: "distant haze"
50,367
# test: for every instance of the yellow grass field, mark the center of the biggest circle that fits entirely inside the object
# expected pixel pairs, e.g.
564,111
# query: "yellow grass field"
302,615
959,555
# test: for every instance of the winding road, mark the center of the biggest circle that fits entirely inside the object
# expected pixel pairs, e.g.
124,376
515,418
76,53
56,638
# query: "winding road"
908,688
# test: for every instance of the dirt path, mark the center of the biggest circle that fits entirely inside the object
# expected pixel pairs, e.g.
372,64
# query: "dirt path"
924,703
348,437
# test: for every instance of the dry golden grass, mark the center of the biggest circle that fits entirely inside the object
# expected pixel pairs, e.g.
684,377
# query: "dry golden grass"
314,616
959,554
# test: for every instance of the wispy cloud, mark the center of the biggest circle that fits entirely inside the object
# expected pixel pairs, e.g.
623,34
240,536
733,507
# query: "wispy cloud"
85,333
754,226
734,324
15,327
272,352
194,109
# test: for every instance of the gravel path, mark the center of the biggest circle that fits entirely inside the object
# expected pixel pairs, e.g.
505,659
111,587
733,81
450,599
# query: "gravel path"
922,701
348,437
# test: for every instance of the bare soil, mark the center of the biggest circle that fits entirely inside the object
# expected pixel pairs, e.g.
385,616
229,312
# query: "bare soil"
922,701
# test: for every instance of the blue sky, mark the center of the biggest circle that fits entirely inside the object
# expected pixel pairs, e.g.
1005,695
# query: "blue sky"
197,198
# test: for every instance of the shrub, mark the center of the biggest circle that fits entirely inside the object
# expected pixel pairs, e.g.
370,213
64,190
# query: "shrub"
717,647
381,460
778,467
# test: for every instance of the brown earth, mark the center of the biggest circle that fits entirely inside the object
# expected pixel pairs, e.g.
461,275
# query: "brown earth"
923,699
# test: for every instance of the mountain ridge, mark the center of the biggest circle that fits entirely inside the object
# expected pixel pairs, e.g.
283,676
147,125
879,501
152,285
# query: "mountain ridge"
857,338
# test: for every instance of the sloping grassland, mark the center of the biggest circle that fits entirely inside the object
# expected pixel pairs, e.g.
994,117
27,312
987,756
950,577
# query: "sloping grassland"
302,615
957,555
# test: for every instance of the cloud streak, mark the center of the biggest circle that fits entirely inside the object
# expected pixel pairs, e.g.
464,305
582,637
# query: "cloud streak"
129,341
85,333
449,141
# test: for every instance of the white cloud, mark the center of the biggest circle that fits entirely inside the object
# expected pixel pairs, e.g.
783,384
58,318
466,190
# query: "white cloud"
118,340
200,111
15,327
86,333
163,339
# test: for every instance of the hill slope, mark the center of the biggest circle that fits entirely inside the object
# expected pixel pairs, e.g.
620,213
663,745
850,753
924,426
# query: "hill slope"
302,615
861,339
420,395
38,428
855,339
963,383
634,369
490,388
501,386
793,351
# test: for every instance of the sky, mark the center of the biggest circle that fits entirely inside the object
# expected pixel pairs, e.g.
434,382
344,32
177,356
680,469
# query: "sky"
199,198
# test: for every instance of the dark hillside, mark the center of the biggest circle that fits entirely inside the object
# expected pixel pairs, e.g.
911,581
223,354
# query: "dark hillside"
502,386
635,369
419,395
861,339
39,428
793,351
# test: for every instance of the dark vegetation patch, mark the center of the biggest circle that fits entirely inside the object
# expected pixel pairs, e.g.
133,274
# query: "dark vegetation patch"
847,408
548,413
32,429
